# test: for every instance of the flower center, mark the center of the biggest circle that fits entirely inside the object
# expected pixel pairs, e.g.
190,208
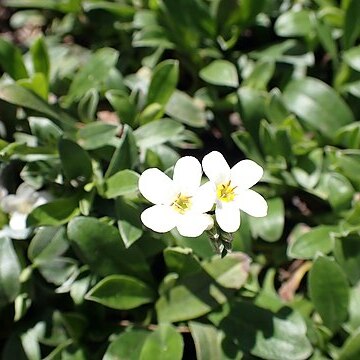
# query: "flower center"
182,203
225,192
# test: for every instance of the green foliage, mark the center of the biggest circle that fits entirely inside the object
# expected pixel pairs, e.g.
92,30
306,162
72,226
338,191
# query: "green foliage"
92,93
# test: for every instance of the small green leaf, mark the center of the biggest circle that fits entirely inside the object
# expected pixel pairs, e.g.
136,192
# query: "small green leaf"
294,23
121,183
157,132
184,108
9,272
164,343
352,57
350,23
123,105
96,135
54,213
40,57
270,227
318,105
329,291
75,161
307,245
220,72
163,82
11,60
121,292
351,348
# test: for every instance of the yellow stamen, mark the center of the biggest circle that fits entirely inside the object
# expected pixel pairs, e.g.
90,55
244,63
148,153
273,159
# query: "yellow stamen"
225,192
182,203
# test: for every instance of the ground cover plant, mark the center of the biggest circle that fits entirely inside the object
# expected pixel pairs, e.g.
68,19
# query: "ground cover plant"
95,93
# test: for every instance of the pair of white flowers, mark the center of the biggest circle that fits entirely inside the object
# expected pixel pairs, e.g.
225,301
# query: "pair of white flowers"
183,202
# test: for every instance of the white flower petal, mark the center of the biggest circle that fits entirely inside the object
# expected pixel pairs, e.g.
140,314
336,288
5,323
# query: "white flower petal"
157,187
246,173
252,203
187,174
204,199
17,221
216,168
193,224
227,216
160,218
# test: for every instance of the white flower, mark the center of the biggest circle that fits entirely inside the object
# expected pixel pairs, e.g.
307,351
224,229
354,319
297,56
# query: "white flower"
232,188
181,202
18,206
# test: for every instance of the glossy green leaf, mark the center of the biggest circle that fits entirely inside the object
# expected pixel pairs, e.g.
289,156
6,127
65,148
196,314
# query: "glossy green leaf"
121,183
40,57
96,134
75,161
329,291
45,130
317,105
210,344
99,245
11,60
352,57
270,227
264,334
88,106
157,132
220,72
181,261
54,213
347,254
184,108
125,155
123,105
129,223
293,23
309,244
163,82
100,63
121,292
351,348
230,272
351,25
127,346
164,343
9,272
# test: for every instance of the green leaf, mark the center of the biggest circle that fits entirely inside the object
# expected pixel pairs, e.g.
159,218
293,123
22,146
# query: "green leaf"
75,161
96,135
192,296
99,245
309,244
88,106
157,132
9,272
210,344
121,292
163,82
11,60
18,95
351,25
264,334
329,291
347,254
40,57
127,346
45,130
129,223
121,183
93,74
123,105
125,155
164,343
294,23
351,348
317,105
220,72
184,108
36,83
352,57
54,213
230,272
270,227
48,243
181,261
